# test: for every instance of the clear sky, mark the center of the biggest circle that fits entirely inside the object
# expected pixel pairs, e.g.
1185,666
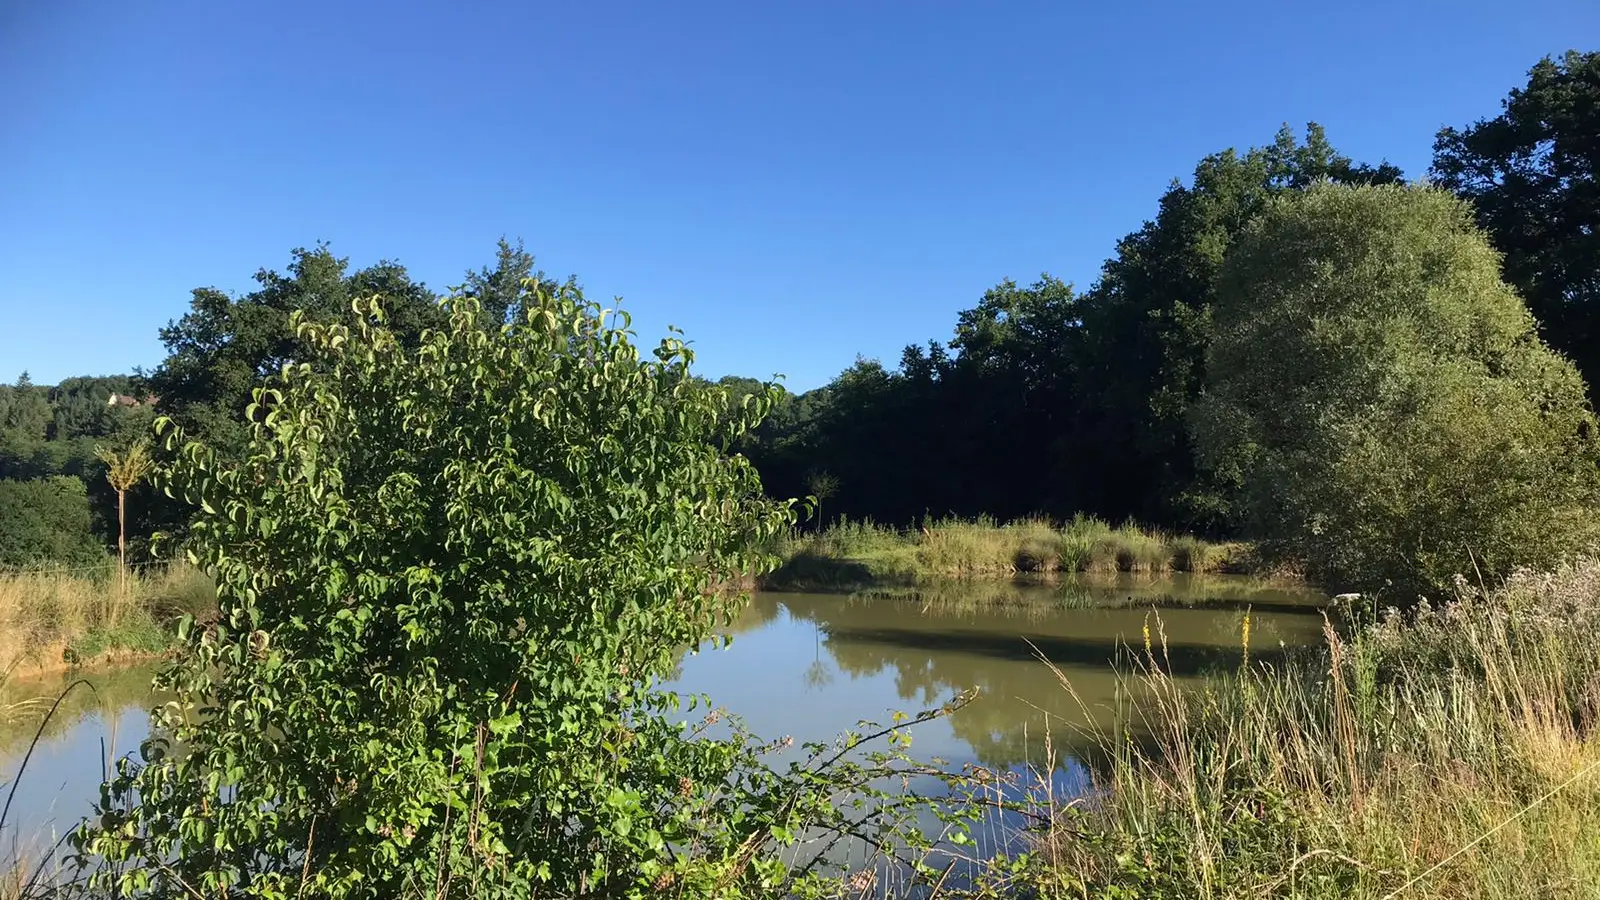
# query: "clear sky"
791,183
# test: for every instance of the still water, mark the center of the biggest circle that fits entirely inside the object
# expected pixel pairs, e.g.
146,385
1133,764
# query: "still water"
811,665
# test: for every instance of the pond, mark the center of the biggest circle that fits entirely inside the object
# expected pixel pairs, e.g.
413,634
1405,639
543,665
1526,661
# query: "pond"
811,665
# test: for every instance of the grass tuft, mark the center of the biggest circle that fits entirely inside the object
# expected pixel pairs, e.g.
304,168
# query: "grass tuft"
1450,753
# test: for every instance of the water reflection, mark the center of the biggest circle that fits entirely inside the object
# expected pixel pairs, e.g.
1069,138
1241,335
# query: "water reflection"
101,716
810,664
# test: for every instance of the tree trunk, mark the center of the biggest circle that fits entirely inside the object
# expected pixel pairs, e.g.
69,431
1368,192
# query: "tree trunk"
122,539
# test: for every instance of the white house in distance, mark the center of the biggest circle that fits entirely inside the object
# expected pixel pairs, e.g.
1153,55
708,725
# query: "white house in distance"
117,399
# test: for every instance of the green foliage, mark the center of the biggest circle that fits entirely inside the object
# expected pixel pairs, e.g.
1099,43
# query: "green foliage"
46,521
1407,425
127,467
24,423
51,431
1047,400
975,427
83,407
26,448
499,290
1533,176
223,347
1147,325
449,576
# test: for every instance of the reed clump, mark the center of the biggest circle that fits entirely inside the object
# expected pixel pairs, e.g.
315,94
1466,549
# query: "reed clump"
851,555
1449,752
54,617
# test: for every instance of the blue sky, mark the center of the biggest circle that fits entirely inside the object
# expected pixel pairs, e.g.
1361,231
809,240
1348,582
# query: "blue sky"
791,183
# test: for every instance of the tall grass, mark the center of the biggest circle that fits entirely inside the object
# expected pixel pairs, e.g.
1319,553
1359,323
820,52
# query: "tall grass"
55,617
48,617
852,555
1449,754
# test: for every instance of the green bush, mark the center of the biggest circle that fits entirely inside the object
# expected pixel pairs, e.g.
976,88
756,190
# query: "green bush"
448,578
45,521
1380,403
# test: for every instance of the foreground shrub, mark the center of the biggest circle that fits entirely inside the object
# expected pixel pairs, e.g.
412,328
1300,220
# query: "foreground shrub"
448,579
1407,424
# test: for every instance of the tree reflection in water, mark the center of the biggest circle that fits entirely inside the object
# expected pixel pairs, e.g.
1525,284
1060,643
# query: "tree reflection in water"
941,641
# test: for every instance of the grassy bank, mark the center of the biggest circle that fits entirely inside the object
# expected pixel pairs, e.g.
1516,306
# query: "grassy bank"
53,618
1447,755
852,555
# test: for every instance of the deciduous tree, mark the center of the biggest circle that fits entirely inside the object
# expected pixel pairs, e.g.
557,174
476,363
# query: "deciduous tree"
1379,402
1533,176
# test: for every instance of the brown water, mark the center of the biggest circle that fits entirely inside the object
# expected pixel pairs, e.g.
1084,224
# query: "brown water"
810,665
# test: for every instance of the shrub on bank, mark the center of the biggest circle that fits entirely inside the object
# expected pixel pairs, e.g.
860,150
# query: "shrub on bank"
1409,424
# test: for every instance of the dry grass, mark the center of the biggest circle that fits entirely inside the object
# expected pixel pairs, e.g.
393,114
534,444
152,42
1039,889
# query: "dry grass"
50,618
1450,754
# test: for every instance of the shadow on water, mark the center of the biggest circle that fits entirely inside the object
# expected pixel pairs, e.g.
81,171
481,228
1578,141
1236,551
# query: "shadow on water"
1182,661
811,664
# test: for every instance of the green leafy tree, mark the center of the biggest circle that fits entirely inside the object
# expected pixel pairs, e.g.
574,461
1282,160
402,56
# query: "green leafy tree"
224,346
499,290
1147,324
45,521
449,575
1533,176
1379,402
24,426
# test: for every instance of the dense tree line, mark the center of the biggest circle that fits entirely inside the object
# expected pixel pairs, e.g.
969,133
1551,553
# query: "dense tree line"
1053,400
1050,399
55,503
